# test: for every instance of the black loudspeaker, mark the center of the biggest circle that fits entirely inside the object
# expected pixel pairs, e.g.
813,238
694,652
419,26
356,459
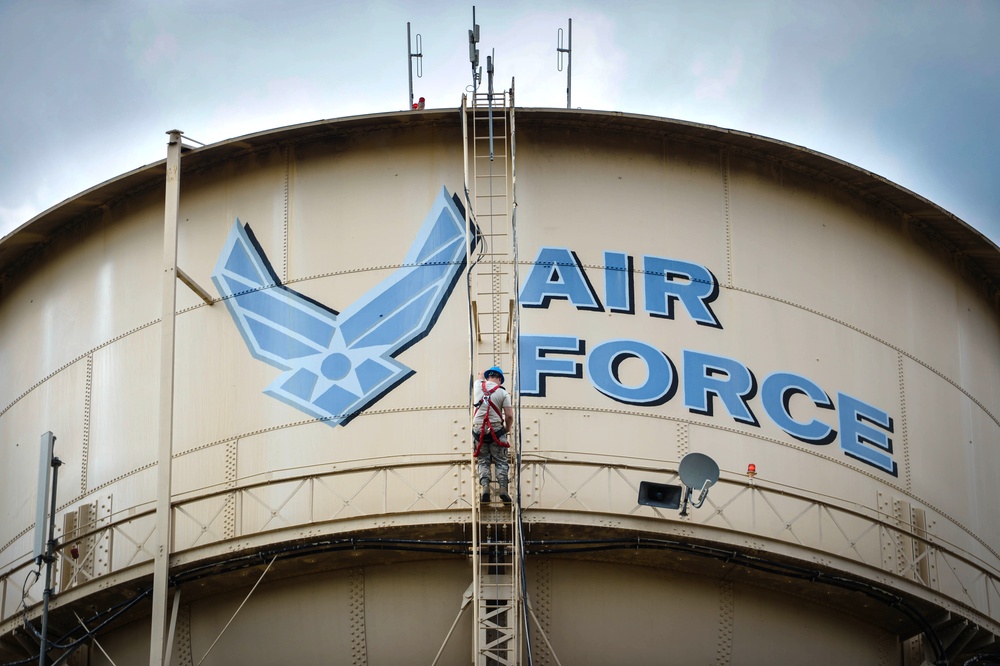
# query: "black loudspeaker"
662,495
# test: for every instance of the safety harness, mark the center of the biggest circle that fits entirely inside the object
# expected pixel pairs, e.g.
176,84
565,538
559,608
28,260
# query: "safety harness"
486,419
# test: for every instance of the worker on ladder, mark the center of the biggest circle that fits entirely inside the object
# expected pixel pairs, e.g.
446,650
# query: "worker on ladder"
493,419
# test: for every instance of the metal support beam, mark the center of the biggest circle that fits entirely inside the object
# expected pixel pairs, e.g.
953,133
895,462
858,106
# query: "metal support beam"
195,287
161,560
173,626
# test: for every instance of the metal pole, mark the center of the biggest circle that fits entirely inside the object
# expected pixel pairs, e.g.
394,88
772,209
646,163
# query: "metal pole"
489,76
173,625
161,560
50,558
569,66
474,55
409,63
569,60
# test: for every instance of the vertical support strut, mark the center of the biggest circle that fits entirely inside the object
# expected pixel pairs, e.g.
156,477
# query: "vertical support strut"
161,559
495,526
568,50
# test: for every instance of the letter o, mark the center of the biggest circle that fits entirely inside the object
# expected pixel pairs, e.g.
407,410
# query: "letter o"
602,371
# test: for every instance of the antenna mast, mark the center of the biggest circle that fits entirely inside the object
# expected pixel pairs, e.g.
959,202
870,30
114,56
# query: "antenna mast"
48,477
410,56
489,75
569,59
477,72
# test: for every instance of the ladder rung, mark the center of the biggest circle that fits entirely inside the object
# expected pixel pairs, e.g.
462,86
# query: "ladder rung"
496,580
495,595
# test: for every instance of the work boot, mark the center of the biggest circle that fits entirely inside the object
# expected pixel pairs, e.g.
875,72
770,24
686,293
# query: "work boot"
485,498
504,497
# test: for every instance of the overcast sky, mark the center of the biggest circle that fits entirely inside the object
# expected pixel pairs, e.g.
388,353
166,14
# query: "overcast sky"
909,90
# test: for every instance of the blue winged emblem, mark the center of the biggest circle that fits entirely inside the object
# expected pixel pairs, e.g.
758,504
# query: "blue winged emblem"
338,364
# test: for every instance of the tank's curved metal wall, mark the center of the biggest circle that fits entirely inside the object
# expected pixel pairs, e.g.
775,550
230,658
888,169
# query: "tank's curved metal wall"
841,356
732,267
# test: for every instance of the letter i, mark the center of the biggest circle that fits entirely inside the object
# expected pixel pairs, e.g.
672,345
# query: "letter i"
619,286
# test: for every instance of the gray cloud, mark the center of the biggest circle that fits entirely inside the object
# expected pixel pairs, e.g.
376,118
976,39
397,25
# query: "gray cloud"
904,89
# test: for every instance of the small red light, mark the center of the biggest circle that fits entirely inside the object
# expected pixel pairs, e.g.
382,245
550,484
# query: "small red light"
751,470
74,552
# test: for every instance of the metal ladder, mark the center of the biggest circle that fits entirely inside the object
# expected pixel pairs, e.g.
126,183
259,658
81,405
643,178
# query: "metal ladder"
496,539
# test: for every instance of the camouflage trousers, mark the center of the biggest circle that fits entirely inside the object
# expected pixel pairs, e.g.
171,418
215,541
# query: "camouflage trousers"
492,453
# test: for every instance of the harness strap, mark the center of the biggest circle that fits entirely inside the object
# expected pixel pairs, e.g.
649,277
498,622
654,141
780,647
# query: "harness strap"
487,394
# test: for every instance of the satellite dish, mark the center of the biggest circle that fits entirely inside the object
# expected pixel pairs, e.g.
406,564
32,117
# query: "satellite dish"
697,471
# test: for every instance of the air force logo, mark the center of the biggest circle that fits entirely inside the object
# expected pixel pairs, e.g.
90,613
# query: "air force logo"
338,364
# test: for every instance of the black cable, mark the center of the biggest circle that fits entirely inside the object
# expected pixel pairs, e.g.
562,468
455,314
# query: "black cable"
462,548
478,243
93,631
58,642
524,579
71,647
24,594
991,659
760,564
